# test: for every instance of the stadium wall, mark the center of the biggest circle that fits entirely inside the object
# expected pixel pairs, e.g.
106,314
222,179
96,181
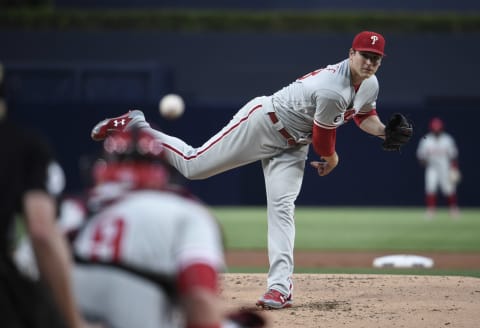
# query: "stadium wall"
405,5
63,82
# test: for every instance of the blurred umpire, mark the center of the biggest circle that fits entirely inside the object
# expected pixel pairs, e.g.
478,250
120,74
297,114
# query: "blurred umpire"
31,180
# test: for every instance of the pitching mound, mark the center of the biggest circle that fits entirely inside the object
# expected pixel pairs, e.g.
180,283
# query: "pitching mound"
328,300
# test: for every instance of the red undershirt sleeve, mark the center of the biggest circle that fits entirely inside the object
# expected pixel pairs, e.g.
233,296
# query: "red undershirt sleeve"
197,275
323,140
358,118
194,276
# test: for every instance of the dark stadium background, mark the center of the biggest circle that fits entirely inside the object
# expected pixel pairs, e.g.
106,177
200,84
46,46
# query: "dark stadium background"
63,81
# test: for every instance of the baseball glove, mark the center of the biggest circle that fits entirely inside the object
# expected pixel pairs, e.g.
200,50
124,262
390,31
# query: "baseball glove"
398,131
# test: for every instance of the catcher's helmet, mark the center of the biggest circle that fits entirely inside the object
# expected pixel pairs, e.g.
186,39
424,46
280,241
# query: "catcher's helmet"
134,157
436,125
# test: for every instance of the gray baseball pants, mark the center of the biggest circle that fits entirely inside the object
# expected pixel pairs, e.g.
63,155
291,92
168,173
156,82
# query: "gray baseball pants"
251,136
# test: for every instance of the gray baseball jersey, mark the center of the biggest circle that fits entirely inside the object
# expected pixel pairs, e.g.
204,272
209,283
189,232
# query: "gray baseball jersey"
155,232
438,152
323,95
255,134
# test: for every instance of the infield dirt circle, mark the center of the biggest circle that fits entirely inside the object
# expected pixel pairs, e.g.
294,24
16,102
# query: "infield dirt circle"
357,300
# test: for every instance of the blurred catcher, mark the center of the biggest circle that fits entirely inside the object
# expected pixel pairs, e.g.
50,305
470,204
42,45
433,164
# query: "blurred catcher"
149,253
438,153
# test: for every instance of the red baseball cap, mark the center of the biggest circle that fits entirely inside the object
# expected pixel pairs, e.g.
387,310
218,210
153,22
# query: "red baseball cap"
369,41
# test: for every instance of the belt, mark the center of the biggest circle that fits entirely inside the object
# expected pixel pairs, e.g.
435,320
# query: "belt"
290,140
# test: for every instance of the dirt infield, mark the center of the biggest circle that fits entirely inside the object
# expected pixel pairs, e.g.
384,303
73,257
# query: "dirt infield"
319,259
331,300
355,300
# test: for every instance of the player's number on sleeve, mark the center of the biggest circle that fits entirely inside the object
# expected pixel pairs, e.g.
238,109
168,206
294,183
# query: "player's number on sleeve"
310,74
107,240
315,72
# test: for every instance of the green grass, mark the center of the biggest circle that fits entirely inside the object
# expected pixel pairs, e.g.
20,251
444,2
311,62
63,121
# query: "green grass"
360,229
392,229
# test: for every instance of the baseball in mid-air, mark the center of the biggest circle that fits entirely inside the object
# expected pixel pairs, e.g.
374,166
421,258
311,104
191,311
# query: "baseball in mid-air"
171,106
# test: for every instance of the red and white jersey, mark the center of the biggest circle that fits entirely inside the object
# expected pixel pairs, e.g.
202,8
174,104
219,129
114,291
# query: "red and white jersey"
323,95
437,151
159,232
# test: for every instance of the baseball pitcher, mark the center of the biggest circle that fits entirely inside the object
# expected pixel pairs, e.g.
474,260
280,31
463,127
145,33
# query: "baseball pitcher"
277,130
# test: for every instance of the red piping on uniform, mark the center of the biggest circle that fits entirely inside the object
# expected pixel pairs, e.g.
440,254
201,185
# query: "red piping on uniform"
359,117
215,141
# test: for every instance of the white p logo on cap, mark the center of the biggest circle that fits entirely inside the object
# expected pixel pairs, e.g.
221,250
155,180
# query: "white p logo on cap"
369,41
